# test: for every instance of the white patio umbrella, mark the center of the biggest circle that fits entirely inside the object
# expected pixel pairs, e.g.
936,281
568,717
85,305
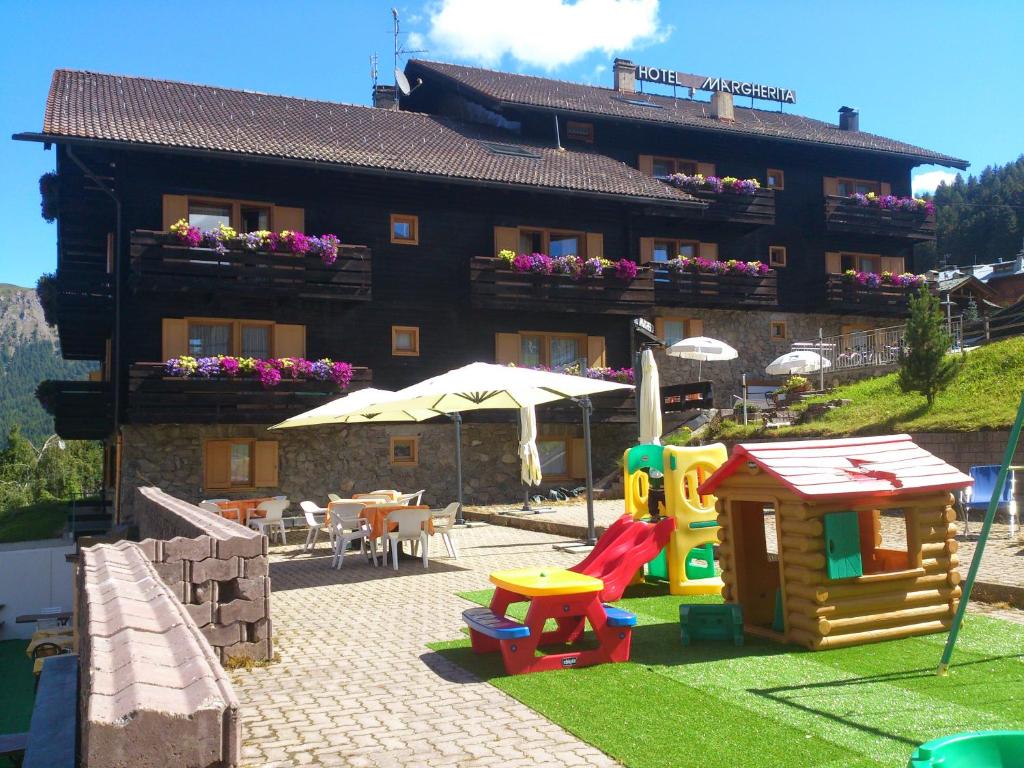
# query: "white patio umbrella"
801,361
702,349
650,400
529,469
361,407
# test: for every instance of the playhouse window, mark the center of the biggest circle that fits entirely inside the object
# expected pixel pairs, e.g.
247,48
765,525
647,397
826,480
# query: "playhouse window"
867,542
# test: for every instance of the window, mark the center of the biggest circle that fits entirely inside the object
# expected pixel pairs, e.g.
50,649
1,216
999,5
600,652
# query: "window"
254,217
776,255
869,542
847,187
552,350
405,340
511,150
575,131
553,243
862,262
404,451
675,329
666,166
554,457
239,462
207,338
405,229
255,341
208,215
775,178
777,330
666,250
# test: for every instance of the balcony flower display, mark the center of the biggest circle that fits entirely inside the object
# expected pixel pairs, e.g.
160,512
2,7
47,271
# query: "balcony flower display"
685,264
223,237
700,183
893,203
269,372
876,280
618,375
572,266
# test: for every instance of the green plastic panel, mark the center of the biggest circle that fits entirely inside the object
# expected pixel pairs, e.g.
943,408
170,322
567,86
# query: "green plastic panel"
842,545
645,457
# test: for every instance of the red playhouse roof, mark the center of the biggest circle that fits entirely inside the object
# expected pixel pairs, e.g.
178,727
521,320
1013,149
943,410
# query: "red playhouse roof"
888,465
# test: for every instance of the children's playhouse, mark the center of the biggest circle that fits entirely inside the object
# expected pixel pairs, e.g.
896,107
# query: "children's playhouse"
865,532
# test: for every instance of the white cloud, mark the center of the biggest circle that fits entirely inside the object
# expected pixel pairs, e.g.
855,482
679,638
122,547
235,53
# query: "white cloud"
541,33
929,180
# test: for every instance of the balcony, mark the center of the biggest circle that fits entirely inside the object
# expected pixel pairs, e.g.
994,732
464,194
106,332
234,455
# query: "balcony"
706,289
154,398
842,295
160,263
79,301
81,410
842,215
757,209
493,287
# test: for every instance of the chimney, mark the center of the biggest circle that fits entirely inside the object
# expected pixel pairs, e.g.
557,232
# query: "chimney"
721,106
384,97
625,75
849,119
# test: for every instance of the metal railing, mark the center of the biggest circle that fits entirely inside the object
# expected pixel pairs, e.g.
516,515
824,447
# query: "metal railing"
873,348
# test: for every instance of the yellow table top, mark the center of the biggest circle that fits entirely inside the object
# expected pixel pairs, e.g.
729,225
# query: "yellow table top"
538,582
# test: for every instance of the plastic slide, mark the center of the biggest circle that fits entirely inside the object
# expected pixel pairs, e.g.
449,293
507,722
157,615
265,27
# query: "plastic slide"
623,550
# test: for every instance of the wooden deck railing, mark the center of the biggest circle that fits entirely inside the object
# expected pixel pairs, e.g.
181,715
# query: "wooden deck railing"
758,208
844,215
847,296
704,289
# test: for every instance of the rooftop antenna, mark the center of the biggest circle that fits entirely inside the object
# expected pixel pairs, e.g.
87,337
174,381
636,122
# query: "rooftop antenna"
401,83
373,70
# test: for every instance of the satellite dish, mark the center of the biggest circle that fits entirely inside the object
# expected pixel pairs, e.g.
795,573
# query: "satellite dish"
402,82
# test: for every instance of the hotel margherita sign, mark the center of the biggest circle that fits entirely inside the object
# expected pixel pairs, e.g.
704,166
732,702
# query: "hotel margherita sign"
702,83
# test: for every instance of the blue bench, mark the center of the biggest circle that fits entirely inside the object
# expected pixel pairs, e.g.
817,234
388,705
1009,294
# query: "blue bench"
484,621
619,618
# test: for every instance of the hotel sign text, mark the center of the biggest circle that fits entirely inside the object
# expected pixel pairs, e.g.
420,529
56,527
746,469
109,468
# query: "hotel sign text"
702,83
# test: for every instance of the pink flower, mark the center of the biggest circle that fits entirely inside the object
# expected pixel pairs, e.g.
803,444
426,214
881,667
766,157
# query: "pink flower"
625,269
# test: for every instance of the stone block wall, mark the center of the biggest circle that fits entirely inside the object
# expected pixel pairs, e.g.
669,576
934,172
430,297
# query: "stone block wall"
152,692
216,568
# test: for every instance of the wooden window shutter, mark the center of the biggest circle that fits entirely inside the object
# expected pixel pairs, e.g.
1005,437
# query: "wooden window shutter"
596,352
659,327
265,464
175,208
646,250
885,187
830,185
577,459
217,464
833,263
706,169
595,245
709,251
842,545
695,326
646,164
292,219
175,337
506,239
893,264
506,348
289,340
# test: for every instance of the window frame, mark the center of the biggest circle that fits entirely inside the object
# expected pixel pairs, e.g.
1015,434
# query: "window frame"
235,336
676,242
234,204
251,442
772,325
876,259
413,442
854,182
585,129
684,319
412,220
546,233
779,174
675,162
545,347
772,252
567,444
412,329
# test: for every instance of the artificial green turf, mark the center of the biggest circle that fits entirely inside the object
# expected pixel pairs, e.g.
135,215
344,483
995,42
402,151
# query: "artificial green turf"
17,689
713,705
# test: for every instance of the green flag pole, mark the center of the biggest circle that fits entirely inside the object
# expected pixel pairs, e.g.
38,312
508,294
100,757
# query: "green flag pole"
990,515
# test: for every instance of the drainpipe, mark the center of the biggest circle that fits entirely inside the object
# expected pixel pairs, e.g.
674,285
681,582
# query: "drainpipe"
115,347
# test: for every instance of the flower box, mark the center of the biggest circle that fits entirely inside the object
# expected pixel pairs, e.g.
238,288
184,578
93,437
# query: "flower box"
888,216
706,283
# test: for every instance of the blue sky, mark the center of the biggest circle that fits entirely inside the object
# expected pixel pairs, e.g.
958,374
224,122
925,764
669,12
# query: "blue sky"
943,74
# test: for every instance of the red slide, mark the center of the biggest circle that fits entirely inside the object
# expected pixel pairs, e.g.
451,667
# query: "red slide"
623,549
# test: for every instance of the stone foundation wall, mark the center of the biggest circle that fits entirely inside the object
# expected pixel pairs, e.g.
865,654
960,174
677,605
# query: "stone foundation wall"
315,461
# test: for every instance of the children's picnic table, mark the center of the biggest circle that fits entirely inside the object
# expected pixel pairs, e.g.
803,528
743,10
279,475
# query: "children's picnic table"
571,599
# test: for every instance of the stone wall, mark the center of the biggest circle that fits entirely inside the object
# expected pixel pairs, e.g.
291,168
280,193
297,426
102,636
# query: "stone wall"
748,332
344,459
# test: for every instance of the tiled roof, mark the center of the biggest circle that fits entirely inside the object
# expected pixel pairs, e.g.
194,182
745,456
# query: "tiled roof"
541,92
173,114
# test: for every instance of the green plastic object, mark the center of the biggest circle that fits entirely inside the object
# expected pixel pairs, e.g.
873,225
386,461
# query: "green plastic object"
711,622
657,569
645,457
842,545
980,749
700,562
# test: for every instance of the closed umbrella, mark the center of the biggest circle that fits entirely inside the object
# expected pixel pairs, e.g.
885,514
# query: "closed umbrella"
650,397
801,361
702,349
529,458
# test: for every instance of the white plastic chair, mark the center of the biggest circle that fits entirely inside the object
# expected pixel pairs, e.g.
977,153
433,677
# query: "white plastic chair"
311,510
334,497
410,528
444,523
412,499
347,525
210,506
273,510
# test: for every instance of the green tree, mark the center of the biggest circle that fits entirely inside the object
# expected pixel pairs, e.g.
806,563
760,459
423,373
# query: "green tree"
926,367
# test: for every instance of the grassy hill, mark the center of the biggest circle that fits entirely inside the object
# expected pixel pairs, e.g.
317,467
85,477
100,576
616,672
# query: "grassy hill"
984,396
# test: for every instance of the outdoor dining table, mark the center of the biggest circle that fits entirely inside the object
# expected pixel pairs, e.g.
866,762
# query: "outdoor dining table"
242,510
571,599
375,514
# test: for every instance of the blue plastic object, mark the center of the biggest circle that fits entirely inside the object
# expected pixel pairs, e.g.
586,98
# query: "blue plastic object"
981,749
984,476
485,622
619,618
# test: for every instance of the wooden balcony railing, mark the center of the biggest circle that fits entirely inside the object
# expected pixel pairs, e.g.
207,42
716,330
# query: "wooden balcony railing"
844,295
705,289
160,263
844,215
494,287
81,302
758,208
155,398
81,410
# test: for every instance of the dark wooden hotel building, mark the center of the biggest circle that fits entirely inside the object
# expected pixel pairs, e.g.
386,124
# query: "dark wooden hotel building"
423,196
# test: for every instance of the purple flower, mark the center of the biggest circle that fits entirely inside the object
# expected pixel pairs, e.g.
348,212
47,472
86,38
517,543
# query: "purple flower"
326,247
591,268
625,269
208,367
229,366
341,374
321,370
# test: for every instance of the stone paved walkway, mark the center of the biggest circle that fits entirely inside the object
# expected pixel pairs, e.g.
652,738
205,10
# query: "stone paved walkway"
356,684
